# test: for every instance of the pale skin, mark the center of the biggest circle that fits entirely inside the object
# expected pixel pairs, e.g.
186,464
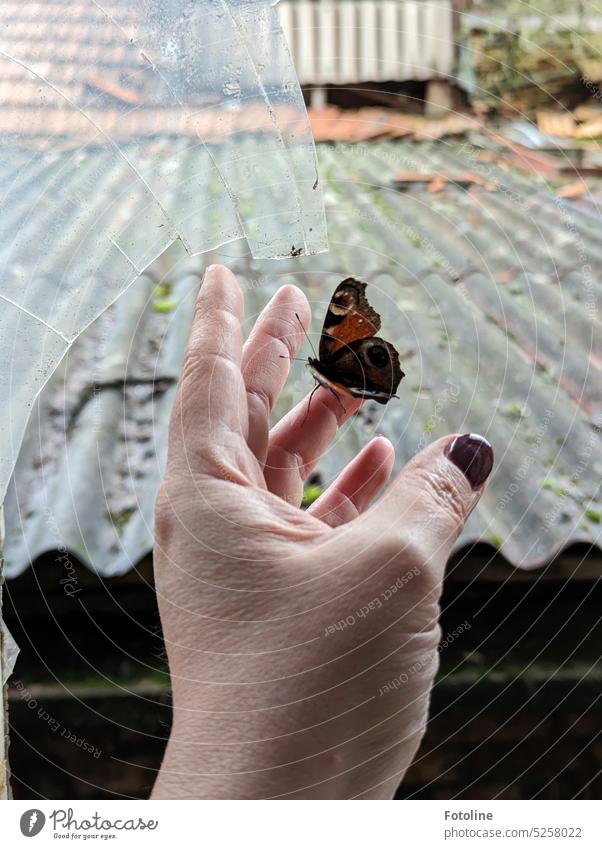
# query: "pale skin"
302,644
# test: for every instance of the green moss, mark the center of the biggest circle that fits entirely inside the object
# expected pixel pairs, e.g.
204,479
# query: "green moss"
496,540
163,290
113,680
162,300
554,486
593,515
164,306
247,209
311,492
120,520
515,411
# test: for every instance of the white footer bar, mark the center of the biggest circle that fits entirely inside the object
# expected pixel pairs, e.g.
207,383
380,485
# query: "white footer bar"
303,825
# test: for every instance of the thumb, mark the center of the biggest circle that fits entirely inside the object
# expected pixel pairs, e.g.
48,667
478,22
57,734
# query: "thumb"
433,495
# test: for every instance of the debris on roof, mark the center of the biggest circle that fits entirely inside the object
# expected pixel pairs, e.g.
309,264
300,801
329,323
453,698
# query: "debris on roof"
584,123
334,124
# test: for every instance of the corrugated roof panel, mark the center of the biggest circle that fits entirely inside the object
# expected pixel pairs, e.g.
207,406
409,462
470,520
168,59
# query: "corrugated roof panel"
490,292
350,41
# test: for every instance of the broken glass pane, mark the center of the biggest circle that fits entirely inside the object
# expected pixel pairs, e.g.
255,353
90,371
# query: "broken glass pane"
127,126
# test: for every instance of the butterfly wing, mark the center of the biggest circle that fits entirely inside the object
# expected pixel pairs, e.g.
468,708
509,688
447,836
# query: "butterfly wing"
366,368
349,318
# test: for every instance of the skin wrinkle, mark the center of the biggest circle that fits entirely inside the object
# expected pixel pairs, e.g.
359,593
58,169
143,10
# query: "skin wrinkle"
345,511
258,394
413,655
444,493
205,356
297,730
296,463
277,339
334,757
241,570
305,529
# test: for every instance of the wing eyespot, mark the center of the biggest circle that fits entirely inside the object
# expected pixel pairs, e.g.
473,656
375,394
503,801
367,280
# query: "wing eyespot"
378,355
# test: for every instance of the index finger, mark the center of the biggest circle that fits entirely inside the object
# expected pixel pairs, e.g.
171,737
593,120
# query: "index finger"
209,418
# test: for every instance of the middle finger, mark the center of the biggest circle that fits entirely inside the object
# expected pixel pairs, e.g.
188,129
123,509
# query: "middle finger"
275,339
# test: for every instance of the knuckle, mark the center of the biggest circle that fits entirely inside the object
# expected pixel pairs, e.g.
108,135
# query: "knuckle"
212,458
406,569
200,358
260,398
192,365
227,321
402,564
406,548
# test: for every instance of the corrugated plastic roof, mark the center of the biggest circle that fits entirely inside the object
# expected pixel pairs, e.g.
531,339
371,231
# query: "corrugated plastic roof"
487,282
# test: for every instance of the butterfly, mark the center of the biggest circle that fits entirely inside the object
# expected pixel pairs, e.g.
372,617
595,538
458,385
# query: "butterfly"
352,359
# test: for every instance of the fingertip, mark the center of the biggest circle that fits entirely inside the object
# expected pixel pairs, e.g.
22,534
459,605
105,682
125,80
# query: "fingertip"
383,445
217,273
291,291
382,454
220,290
216,268
216,325
296,299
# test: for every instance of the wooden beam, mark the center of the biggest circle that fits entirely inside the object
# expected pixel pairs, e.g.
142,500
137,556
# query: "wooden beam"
439,98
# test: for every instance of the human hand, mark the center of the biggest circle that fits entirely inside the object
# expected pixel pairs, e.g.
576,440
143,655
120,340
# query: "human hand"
302,644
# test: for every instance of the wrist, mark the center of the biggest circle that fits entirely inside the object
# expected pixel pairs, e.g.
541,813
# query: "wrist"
251,756
242,761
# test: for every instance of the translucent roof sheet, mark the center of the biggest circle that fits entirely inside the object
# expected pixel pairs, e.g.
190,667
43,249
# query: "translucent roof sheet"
90,88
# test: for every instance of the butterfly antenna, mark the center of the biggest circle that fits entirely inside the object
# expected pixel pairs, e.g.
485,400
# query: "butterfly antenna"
306,336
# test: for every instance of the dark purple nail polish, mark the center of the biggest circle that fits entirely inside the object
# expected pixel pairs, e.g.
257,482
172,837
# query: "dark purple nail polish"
473,455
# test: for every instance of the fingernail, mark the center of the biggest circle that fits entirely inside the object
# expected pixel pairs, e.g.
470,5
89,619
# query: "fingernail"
473,455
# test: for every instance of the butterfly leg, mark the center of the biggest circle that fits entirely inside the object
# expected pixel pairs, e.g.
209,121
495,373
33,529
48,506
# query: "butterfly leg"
337,396
309,403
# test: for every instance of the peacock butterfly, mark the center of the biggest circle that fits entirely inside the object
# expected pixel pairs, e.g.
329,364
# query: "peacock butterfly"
352,359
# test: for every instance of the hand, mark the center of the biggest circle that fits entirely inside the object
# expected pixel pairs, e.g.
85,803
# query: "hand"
302,644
